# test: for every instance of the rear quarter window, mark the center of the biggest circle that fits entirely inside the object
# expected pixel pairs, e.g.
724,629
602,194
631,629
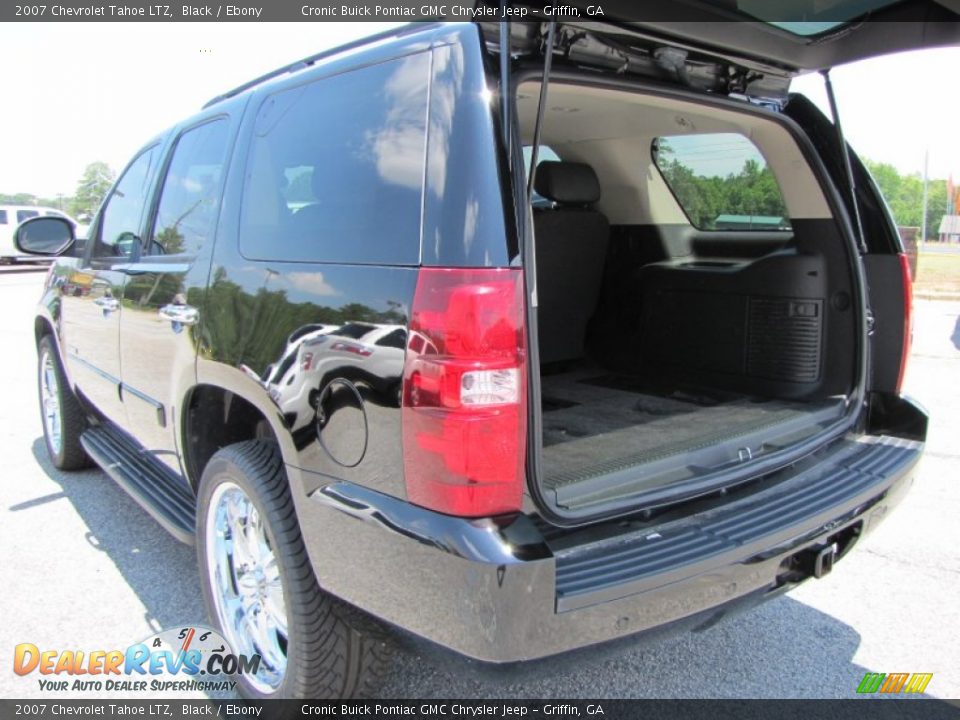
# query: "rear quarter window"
721,181
335,168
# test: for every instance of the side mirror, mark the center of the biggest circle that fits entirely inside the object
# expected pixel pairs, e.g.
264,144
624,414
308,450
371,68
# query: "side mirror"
128,246
46,235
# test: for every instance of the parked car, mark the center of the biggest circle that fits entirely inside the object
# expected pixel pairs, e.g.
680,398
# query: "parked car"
10,218
611,416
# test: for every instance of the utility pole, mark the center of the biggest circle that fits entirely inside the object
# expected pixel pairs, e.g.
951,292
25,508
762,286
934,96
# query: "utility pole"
923,231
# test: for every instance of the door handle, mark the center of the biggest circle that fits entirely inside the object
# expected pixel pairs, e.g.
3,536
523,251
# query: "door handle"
179,315
107,304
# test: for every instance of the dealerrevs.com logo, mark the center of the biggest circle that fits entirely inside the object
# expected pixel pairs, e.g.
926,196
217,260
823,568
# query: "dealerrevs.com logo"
178,660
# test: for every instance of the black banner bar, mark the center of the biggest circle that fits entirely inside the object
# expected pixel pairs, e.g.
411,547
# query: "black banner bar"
872,709
305,10
405,11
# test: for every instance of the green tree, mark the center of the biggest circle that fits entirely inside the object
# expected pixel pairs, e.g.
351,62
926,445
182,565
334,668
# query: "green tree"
60,202
93,187
936,206
752,191
17,199
904,195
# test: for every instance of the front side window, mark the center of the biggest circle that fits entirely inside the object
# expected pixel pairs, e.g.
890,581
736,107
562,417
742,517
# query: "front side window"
722,182
187,212
123,213
335,171
26,215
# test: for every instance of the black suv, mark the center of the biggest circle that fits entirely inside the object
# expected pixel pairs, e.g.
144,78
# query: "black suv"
331,331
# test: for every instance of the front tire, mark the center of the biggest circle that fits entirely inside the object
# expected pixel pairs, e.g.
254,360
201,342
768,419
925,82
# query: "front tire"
63,418
260,589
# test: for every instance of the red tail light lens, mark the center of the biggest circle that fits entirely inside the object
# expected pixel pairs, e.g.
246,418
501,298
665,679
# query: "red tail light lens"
352,348
464,392
907,317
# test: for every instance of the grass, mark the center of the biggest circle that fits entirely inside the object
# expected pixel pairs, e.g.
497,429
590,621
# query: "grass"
938,273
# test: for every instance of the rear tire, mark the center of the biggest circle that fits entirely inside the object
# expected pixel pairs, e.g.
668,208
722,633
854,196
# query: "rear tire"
261,592
63,417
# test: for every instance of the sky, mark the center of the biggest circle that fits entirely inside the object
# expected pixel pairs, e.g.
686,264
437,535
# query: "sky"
81,92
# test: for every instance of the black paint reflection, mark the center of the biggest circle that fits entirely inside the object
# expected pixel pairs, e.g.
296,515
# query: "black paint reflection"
326,345
368,354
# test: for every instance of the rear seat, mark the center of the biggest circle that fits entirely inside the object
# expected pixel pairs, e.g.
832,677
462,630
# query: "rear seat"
571,241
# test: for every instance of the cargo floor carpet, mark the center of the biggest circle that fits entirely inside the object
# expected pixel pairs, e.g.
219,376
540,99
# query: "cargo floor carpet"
595,423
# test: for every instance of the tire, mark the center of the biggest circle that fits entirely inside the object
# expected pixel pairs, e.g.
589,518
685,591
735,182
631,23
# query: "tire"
329,649
63,417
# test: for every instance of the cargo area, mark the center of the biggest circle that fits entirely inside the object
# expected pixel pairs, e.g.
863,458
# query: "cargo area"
596,424
694,296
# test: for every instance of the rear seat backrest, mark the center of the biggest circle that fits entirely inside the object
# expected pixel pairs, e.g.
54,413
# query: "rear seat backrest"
571,241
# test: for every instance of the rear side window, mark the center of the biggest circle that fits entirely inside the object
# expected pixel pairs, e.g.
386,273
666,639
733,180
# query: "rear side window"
335,171
353,330
395,339
721,181
3,217
187,213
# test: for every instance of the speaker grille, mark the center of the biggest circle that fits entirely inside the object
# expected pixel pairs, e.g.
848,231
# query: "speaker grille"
784,339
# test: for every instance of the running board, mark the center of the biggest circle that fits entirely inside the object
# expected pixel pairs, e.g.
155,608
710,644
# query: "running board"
153,486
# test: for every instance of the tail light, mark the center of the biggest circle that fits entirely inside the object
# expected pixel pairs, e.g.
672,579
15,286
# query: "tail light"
464,392
907,317
352,349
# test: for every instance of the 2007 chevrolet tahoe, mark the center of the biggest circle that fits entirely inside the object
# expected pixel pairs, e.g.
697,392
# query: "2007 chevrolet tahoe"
518,352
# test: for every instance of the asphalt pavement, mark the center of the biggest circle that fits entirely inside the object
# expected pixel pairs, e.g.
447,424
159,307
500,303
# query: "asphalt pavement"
86,568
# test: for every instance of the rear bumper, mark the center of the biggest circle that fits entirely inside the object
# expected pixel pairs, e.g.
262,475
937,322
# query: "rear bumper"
499,591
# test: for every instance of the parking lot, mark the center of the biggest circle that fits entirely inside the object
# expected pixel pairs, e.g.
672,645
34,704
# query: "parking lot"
86,568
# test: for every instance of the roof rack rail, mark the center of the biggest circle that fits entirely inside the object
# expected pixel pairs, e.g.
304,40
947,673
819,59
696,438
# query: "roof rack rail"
308,61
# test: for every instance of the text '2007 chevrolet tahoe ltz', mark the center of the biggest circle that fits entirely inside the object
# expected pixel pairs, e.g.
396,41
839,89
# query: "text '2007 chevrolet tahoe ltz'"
332,332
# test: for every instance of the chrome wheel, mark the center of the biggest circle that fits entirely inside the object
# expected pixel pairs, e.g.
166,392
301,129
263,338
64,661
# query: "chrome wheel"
50,402
246,585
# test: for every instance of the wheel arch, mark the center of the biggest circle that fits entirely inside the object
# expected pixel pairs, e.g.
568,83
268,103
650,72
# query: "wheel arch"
42,326
214,417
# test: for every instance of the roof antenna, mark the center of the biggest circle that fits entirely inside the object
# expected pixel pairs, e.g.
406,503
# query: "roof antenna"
847,165
538,127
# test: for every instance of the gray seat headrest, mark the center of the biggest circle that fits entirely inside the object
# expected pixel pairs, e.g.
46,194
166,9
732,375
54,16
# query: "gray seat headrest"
567,182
